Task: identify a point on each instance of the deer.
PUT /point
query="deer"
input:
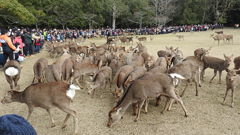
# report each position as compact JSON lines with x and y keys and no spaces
{"x":140,"y":91}
{"x":229,"y":38}
{"x":68,"y":64}
{"x":38,"y":68}
{"x":142,"y":39}
{"x":217,"y":64}
{"x":180,"y":37}
{"x":236,"y":62}
{"x":190,"y":71}
{"x":218,"y":38}
{"x":100,"y":79}
{"x":134,"y":75}
{"x":119,"y":79}
{"x":232,"y":81}
{"x":12,"y":71}
{"x":46,"y":96}
{"x":84,"y":68}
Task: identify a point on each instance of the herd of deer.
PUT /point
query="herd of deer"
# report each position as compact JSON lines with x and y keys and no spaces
{"x":136,"y":75}
{"x":220,"y":36}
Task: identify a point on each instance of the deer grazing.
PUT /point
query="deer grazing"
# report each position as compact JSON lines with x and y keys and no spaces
{"x":12,"y":71}
{"x":46,"y":96}
{"x":140,"y":91}
{"x":100,"y":79}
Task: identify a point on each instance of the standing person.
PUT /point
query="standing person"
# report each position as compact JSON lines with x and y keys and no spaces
{"x":18,"y":41}
{"x":28,"y":43}
{"x":7,"y":46}
{"x":37,"y":43}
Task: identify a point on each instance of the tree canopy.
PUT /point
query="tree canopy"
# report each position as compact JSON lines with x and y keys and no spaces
{"x":116,"y":13}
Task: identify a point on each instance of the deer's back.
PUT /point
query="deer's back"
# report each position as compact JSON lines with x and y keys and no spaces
{"x":46,"y":94}
{"x":213,"y":62}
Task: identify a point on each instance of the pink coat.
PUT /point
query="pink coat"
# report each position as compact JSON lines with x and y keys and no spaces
{"x":18,"y":40}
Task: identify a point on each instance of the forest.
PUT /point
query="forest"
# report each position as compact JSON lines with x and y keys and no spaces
{"x":116,"y":13}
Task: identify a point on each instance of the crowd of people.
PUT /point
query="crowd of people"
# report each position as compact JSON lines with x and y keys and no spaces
{"x":20,"y":43}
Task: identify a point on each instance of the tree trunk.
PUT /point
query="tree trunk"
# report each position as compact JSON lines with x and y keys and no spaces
{"x":114,"y":17}
{"x":36,"y":25}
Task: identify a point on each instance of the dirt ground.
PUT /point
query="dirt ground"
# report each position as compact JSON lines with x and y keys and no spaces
{"x":207,"y":116}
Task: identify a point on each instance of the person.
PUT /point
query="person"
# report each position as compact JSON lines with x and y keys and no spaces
{"x":12,"y":124}
{"x":28,"y":50}
{"x":17,"y":41}
{"x":37,"y":43}
{"x":7,"y":46}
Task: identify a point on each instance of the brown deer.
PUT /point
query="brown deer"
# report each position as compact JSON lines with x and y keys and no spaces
{"x":217,"y":64}
{"x":236,"y":62}
{"x":140,"y":91}
{"x":38,"y":68}
{"x":232,"y":81}
{"x":188,"y":70}
{"x":100,"y":80}
{"x":119,"y":79}
{"x":46,"y":96}
{"x":12,"y":71}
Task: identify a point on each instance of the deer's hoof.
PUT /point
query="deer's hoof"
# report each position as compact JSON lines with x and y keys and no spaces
{"x":135,"y":120}
{"x":64,"y":126}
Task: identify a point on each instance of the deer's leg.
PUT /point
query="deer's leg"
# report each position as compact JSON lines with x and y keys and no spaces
{"x":232,"y":103}
{"x":226,"y":93}
{"x":158,"y":100}
{"x":50,"y":115}
{"x":140,"y":103}
{"x":146,"y":106}
{"x":184,"y":89}
{"x":69,"y":112}
{"x":215,"y":73}
{"x":135,"y":108}
{"x":30,"y":110}
{"x":170,"y":104}
{"x":15,"y":82}
{"x":196,"y":81}
{"x":220,"y":74}
{"x":65,"y":120}
{"x":178,"y":99}
{"x":165,"y":106}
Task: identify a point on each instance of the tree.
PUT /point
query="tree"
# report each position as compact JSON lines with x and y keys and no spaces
{"x":12,"y":12}
{"x":164,"y":10}
{"x":115,"y":8}
{"x":139,"y":12}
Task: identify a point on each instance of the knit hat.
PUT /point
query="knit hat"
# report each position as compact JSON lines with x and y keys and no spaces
{"x":12,"y":124}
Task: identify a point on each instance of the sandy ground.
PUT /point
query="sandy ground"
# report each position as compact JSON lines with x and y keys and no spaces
{"x":206,"y":114}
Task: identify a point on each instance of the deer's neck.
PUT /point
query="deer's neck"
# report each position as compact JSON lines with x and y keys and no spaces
{"x":125,"y":103}
{"x":19,"y":97}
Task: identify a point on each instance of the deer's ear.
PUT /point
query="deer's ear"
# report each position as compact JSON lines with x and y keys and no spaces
{"x":224,"y":56}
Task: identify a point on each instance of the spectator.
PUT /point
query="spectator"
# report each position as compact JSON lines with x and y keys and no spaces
{"x":12,"y":124}
{"x":7,"y":46}
{"x":28,"y":50}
